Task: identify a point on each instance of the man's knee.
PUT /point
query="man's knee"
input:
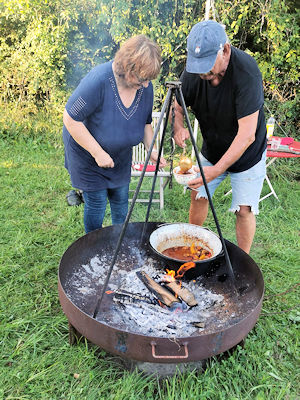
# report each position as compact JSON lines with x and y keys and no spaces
{"x":198,"y":201}
{"x":243,"y":212}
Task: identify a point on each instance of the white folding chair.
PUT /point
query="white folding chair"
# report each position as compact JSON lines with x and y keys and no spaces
{"x":272,"y":191}
{"x":139,"y":155}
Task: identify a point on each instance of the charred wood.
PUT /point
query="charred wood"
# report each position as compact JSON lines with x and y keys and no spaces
{"x":124,"y":297}
{"x":182,"y":292}
{"x":164,"y":295}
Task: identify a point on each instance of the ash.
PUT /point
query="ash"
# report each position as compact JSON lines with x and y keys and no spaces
{"x":155,"y":320}
{"x":83,"y":285}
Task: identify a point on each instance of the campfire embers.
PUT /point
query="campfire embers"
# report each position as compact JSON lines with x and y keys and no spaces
{"x":182,"y":292}
{"x":160,"y":292}
{"x":124,"y":297}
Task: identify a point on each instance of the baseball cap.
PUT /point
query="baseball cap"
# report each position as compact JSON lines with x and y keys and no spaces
{"x":205,"y":39}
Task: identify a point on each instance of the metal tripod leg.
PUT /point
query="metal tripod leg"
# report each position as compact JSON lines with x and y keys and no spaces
{"x":228,"y":262}
{"x":165,"y":105}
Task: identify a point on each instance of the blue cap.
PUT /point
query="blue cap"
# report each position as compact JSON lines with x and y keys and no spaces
{"x":203,"y":43}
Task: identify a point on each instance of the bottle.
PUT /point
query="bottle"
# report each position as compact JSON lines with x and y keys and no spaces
{"x":270,"y":127}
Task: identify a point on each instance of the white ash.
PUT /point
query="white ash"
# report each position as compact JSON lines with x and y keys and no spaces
{"x":154,"y":320}
{"x":85,"y":283}
{"x":86,"y":279}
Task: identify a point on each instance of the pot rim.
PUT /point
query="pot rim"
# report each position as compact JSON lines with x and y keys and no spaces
{"x":198,"y":227}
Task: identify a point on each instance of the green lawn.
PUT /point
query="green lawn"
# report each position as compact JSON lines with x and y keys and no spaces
{"x":38,"y":226}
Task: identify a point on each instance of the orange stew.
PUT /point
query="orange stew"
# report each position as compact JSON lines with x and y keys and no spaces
{"x":187,"y":253}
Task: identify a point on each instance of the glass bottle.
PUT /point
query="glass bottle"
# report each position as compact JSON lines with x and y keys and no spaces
{"x":270,"y":127}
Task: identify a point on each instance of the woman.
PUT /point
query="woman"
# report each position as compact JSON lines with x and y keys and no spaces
{"x":109,"y":113}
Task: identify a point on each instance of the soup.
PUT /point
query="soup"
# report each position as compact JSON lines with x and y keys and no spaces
{"x":188,"y":253}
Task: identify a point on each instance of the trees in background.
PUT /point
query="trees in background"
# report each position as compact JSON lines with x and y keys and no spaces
{"x":47,"y":46}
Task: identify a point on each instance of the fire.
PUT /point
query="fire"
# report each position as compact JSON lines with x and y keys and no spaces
{"x":109,"y":292}
{"x":183,"y":268}
{"x":170,"y":276}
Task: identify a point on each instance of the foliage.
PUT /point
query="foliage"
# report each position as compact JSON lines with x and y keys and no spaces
{"x":269,"y":31}
{"x":47,"y":47}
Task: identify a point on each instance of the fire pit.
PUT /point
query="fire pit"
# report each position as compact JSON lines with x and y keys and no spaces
{"x":132,"y":324}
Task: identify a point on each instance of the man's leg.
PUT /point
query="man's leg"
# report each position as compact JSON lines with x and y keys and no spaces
{"x":246,"y":189}
{"x":245,"y":228}
{"x":198,"y":209}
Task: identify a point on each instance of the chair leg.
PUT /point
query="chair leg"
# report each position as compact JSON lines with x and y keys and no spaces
{"x":161,"y":193}
{"x":272,"y":190}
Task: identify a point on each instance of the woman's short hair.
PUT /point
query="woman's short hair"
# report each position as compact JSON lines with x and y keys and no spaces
{"x":138,"y":56}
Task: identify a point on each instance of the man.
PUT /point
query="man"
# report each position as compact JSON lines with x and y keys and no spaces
{"x":223,"y":87}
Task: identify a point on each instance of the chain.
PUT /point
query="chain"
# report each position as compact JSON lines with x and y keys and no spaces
{"x":172,"y":145}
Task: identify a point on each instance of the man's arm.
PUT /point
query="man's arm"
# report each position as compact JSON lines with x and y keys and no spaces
{"x":180,"y":132}
{"x":244,"y":138}
{"x":82,"y":136}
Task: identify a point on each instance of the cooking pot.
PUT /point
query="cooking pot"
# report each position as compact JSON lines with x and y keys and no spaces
{"x":183,"y":234}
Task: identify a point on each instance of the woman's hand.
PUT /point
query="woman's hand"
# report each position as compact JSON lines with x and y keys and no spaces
{"x":154,"y":156}
{"x":103,"y":159}
{"x":82,"y":136}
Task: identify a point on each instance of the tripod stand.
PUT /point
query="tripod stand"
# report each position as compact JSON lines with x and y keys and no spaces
{"x":173,"y":89}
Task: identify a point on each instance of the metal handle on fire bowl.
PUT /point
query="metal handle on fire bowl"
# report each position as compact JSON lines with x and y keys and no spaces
{"x":186,"y":352}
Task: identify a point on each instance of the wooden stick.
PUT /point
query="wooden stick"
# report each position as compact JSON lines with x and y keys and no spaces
{"x":185,"y":294}
{"x":161,"y":293}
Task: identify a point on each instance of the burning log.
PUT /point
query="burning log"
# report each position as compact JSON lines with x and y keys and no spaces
{"x":161,"y":293}
{"x":182,"y":292}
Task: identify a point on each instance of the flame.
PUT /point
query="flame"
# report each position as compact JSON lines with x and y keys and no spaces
{"x":170,"y":276}
{"x":183,"y":268}
{"x":109,"y":291}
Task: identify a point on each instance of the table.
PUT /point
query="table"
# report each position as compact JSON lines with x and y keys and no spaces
{"x":291,"y":145}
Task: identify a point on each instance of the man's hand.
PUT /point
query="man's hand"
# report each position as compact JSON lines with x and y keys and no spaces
{"x":103,"y":159}
{"x":210,"y":174}
{"x":180,"y":136}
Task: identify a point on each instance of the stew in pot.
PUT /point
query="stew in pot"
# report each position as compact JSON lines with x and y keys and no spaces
{"x":187,"y":253}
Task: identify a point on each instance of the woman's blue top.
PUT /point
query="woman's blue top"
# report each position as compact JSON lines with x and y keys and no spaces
{"x":96,"y":103}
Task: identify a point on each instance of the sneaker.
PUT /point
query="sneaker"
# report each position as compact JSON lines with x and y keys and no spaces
{"x":74,"y":198}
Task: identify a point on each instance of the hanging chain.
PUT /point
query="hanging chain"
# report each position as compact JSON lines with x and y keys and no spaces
{"x":172,"y":143}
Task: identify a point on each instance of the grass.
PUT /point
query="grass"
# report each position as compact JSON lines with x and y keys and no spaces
{"x":37,"y":227}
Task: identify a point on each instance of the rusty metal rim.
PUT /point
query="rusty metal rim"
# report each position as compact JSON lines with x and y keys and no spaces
{"x":136,"y":346}
{"x":139,"y":341}
{"x":61,"y":289}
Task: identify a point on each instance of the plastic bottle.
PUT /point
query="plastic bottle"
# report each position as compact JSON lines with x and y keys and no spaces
{"x":270,"y":127}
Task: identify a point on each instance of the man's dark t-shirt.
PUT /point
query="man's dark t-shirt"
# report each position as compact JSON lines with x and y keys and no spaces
{"x":240,"y":93}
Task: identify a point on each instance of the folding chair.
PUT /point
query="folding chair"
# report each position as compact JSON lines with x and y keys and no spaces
{"x":272,"y":191}
{"x":139,"y":155}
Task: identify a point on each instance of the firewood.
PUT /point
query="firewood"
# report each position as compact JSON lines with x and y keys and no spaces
{"x":124,"y":297}
{"x":182,"y":292}
{"x":161,"y":293}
